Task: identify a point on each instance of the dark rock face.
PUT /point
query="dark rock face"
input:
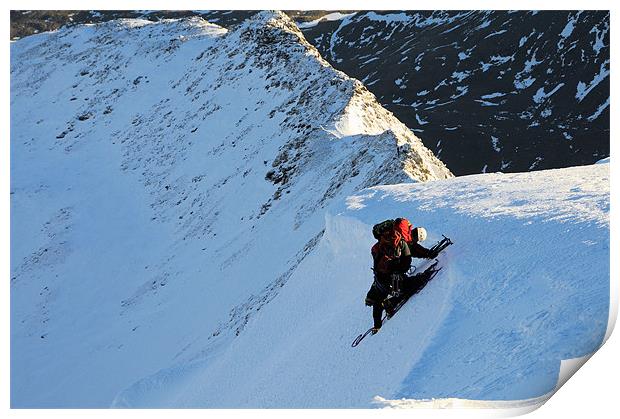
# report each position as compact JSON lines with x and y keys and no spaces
{"x":485,"y":90}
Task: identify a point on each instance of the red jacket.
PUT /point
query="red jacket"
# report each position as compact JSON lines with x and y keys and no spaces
{"x":391,"y":256}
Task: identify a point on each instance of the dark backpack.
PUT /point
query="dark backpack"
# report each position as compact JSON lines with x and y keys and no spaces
{"x":382,"y":227}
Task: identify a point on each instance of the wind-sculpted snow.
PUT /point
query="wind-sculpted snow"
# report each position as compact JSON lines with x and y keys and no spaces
{"x":525,"y":286}
{"x":532,"y":262}
{"x":166,"y":181}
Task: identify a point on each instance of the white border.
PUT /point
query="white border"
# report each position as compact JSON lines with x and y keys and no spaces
{"x":592,"y":393}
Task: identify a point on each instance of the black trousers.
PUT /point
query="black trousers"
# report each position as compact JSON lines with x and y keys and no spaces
{"x":381,"y":291}
{"x":375,"y":298}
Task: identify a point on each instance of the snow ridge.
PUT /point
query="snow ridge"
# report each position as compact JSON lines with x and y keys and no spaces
{"x":168,"y":179}
{"x":490,"y":331}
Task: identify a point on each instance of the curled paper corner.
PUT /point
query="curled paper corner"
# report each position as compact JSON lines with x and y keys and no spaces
{"x":614,"y":296}
{"x":568,"y":367}
{"x":486,"y":408}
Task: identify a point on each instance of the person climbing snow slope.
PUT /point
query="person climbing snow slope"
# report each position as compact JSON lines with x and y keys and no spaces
{"x":397,"y":243}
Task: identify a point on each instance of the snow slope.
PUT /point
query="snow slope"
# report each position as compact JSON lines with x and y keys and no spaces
{"x":525,"y":286}
{"x":166,"y":181}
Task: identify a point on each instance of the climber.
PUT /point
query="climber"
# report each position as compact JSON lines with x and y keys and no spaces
{"x":397,"y":243}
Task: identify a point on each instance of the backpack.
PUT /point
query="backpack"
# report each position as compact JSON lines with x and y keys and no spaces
{"x":382,"y":227}
{"x":402,"y":225}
